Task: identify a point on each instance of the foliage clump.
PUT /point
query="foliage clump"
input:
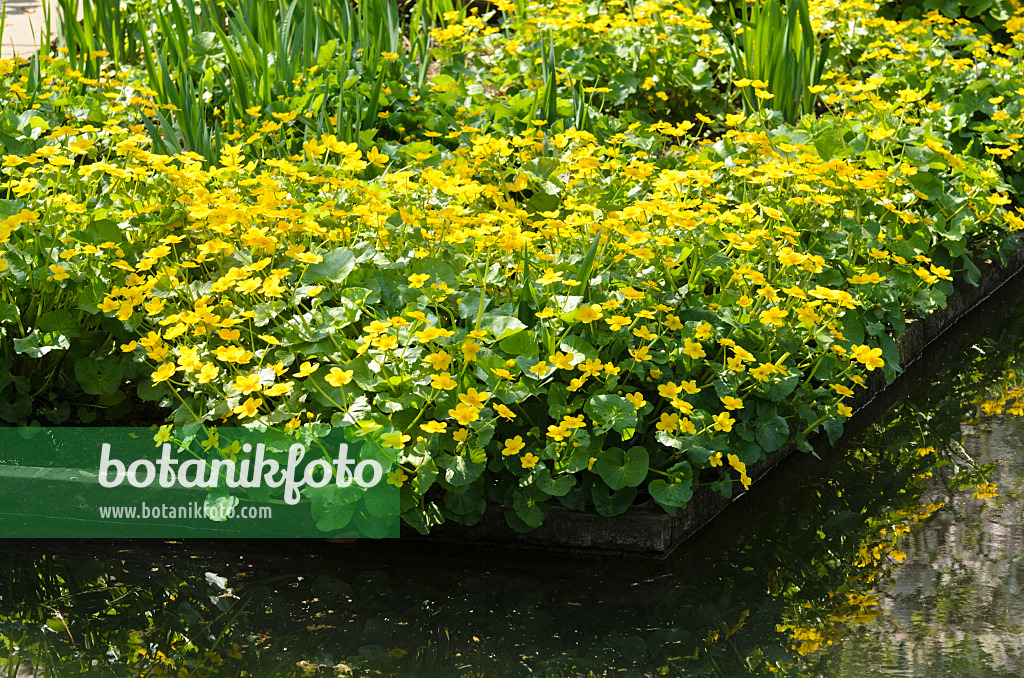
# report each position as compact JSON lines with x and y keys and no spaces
{"x":525,"y":288}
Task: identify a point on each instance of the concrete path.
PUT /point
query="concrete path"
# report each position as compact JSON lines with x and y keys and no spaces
{"x":22,"y":27}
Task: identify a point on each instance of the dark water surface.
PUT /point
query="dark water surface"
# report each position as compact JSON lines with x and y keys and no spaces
{"x":884,"y":557}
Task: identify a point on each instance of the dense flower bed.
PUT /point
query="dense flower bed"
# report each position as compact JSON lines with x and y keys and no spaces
{"x":591,"y":305}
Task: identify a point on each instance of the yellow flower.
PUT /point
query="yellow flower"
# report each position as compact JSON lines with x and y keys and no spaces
{"x":464,"y":414}
{"x":58,"y":272}
{"x":637,"y":399}
{"x":735,"y":462}
{"x":588,"y":314}
{"x":643,"y":332}
{"x":281,"y":389}
{"x":207,"y":373}
{"x":164,"y":372}
{"x":248,"y":408}
{"x":513,"y":446}
{"x":442,"y":382}
{"x":693,"y":349}
{"x":376,"y":157}
{"x":163,"y":434}
{"x":504,"y":412}
{"x":631,"y":293}
{"x":469,"y":349}
{"x":540,"y":368}
{"x":439,"y":361}
{"x":669,"y":390}
{"x":530,"y":460}
{"x":550,"y":277}
{"x":397,"y":477}
{"x":246,"y":384}
{"x":417,"y":279}
{"x":723,"y":422}
{"x":640,"y":354}
{"x":395,"y":439}
{"x":590,"y":367}
{"x":668,"y":422}
{"x":732,"y":403}
{"x":617,"y":322}
{"x":473,"y":398}
{"x":869,"y":357}
{"x":434,"y":427}
{"x":460,"y":435}
{"x":307,"y":368}
{"x":561,"y":361}
{"x":773,"y":316}
{"x":338,"y":377}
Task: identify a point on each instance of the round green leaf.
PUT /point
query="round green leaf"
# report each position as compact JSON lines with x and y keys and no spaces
{"x":556,"y":487}
{"x":609,"y":503}
{"x":59,"y":322}
{"x":772,"y":433}
{"x":671,"y":495}
{"x":98,"y":377}
{"x":621,"y":469}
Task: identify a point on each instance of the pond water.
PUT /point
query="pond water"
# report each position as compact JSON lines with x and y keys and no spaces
{"x":889,"y":555}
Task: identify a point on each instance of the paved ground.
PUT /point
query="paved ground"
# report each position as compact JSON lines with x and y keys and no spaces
{"x":22,"y":27}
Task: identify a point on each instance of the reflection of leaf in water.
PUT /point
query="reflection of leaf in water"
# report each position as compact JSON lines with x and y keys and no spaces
{"x":218,"y":581}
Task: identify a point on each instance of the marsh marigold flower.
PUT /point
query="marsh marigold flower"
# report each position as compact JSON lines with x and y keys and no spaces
{"x":513,"y":446}
{"x":588,"y":314}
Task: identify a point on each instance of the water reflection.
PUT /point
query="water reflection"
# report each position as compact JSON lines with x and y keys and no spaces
{"x":883,"y":555}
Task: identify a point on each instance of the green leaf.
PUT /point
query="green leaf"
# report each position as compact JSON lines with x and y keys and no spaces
{"x":332,"y":507}
{"x":834,"y":429}
{"x":612,"y":411}
{"x":587,"y":265}
{"x":99,"y":377}
{"x":332,"y":518}
{"x":36,"y":345}
{"x":558,"y":486}
{"x":529,"y":507}
{"x":891,"y":354}
{"x":621,"y":469}
{"x":466,"y":503}
{"x":90,"y":297}
{"x":772,"y":433}
{"x":218,"y":506}
{"x":460,"y":470}
{"x":778,"y":390}
{"x":59,"y":322}
{"x":521,"y":344}
{"x":671,"y":494}
{"x":335,"y":267}
{"x":609,"y":503}
{"x":8,"y":313}
{"x":579,"y":346}
{"x":502,"y":326}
